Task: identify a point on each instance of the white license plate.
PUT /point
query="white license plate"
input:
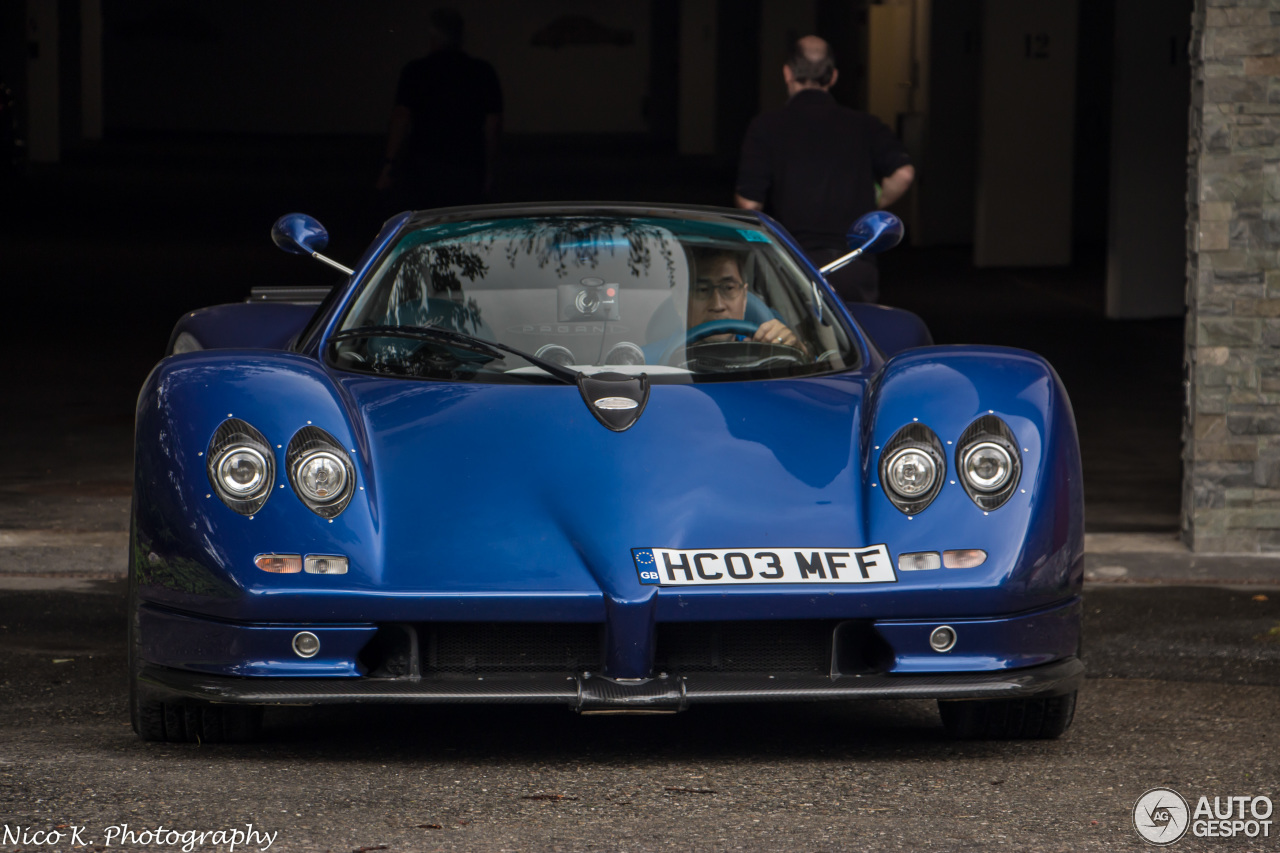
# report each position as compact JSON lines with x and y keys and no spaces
{"x":671,"y":567}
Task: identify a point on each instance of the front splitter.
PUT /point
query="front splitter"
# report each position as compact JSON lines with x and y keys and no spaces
{"x":588,"y":692}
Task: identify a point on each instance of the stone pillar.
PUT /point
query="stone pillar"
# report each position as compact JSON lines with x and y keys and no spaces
{"x":1231,"y":480}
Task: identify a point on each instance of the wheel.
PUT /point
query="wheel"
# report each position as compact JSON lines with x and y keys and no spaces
{"x":181,"y":720}
{"x":1008,"y":719}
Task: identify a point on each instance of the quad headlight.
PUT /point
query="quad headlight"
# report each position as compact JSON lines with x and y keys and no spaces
{"x":320,"y":471}
{"x":242,"y":471}
{"x":321,"y":477}
{"x":241,"y":466}
{"x":911,"y":473}
{"x":990,"y":467}
{"x":912,"y":467}
{"x":987,"y":466}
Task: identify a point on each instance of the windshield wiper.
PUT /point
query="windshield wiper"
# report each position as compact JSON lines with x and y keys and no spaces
{"x":461,"y":339}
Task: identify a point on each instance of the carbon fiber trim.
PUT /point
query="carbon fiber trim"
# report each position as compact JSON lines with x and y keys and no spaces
{"x":297,"y":295}
{"x":596,"y":693}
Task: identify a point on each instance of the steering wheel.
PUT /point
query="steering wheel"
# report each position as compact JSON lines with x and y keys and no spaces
{"x":706,"y":330}
{"x":737,"y":327}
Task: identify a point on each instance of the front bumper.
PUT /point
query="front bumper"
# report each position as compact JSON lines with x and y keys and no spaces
{"x":839,"y":648}
{"x":590,"y":693}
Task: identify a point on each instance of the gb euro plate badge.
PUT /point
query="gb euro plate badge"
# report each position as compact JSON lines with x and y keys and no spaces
{"x":671,"y":567}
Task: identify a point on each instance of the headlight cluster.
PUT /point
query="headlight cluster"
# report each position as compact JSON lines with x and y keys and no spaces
{"x":913,"y":465}
{"x":242,"y":469}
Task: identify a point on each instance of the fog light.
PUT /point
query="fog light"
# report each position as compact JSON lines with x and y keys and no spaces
{"x":965,"y":559}
{"x":319,"y":564}
{"x":943,"y":638}
{"x":306,"y":644}
{"x":919,"y":562}
{"x":281,"y":564}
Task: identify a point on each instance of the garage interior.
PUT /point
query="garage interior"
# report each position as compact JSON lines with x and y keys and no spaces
{"x":162,"y":139}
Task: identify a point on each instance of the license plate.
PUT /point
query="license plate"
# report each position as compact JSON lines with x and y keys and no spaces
{"x":672,"y":567}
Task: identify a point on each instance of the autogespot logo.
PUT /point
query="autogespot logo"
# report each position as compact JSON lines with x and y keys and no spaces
{"x":1160,"y":816}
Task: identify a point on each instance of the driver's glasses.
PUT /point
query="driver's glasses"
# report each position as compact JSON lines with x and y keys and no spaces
{"x":729,"y":289}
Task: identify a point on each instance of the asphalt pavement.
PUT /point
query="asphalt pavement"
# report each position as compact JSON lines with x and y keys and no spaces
{"x":1183,"y":692}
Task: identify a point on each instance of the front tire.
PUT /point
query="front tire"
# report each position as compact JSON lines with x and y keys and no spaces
{"x":1008,"y":719}
{"x":181,"y":720}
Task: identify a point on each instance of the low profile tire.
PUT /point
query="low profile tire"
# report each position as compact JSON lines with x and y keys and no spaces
{"x":1008,"y":719}
{"x":182,"y":721}
{"x":186,"y":721}
{"x":147,"y":715}
{"x":200,"y":722}
{"x":146,"y":712}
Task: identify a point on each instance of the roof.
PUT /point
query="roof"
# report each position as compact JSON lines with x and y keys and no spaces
{"x":607,"y":208}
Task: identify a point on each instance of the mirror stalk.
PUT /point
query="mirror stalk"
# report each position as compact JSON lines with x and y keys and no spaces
{"x":840,"y":262}
{"x":332,"y":263}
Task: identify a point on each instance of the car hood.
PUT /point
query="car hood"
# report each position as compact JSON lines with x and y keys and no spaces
{"x":492,"y":488}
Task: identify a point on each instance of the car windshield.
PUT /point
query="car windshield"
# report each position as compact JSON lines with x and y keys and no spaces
{"x":681,"y":299}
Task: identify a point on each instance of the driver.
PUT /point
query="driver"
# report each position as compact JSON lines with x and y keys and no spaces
{"x":718,"y":292}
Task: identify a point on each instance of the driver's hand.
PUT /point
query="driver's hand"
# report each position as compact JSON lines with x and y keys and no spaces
{"x":774,"y":332}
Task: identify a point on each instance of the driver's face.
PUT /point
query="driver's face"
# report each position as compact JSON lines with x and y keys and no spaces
{"x":718,"y":293}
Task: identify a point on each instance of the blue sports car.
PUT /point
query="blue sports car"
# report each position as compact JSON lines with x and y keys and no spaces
{"x":618,"y":457}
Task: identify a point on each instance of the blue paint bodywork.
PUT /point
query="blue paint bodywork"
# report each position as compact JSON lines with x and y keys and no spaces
{"x":299,"y":234}
{"x":265,"y":325}
{"x":510,"y":503}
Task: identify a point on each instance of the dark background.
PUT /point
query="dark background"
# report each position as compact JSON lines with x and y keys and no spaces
{"x":218,"y":118}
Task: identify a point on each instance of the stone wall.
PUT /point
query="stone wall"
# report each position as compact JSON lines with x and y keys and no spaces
{"x":1231,"y":484}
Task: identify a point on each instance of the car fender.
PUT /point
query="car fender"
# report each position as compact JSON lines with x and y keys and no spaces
{"x":892,"y":329}
{"x":188,"y":546}
{"x":265,"y":325}
{"x":1035,"y":541}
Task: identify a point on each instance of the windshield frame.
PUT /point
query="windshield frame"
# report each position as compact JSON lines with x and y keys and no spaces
{"x":409,"y":222}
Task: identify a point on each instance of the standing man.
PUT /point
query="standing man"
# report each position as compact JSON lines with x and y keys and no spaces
{"x":442,"y":148}
{"x":816,"y":165}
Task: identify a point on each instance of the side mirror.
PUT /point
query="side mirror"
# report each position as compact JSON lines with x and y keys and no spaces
{"x":299,"y":234}
{"x":878,"y":231}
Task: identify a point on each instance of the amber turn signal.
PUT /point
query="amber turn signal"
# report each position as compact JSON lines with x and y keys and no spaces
{"x":965,"y":559}
{"x":281,"y":564}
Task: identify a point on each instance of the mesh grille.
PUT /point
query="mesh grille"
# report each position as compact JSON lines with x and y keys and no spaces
{"x":764,"y":647}
{"x":510,"y":647}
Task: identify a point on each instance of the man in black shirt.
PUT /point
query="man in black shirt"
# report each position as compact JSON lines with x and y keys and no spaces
{"x":443,"y":144}
{"x":815,"y":164}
